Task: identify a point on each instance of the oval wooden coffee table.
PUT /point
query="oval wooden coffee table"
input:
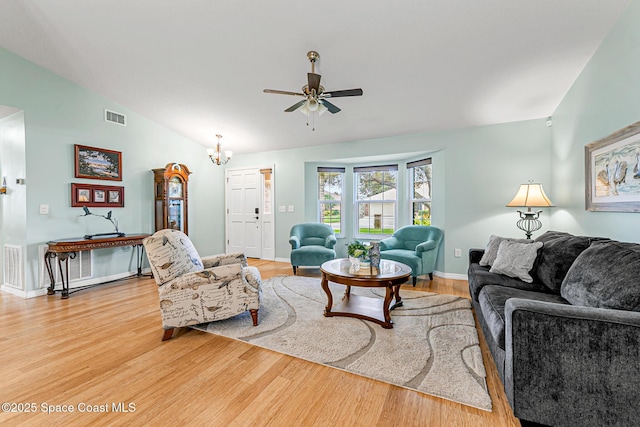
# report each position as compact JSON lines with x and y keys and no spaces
{"x":389,"y":275}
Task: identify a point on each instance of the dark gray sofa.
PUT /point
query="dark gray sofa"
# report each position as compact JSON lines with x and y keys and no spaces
{"x":567,"y":345}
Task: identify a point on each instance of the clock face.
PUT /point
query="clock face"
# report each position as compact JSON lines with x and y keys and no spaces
{"x":175,"y":187}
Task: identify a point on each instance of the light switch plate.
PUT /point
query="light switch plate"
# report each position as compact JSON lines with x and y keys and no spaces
{"x":282,"y":208}
{"x":44,"y":209}
{"x":290,"y":208}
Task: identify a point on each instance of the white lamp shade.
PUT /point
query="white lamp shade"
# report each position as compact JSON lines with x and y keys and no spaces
{"x":530,"y":195}
{"x":211,"y":152}
{"x":228,"y":154}
{"x":312,"y":104}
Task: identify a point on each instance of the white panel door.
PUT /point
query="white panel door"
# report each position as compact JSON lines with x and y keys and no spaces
{"x":243,"y":192}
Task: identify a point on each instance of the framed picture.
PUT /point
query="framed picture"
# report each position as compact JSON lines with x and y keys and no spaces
{"x":97,"y":196}
{"x":97,"y":163}
{"x":114,"y":196}
{"x":612,"y":172}
{"x":84,"y":195}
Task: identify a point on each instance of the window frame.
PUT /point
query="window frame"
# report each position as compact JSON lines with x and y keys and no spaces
{"x":320,"y":203}
{"x":356,"y":202}
{"x":410,"y":168}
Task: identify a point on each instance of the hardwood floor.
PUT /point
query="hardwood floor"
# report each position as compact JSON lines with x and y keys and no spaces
{"x":102,"y":348}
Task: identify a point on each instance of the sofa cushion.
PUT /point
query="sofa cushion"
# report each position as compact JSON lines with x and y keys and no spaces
{"x":479,"y":277}
{"x":492,"y":300}
{"x":605,"y":275}
{"x":516,"y":259}
{"x":311,"y":256}
{"x":491,"y":251}
{"x":558,"y":253}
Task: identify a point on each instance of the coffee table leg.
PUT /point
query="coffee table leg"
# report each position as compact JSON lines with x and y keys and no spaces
{"x":325,"y":288}
{"x":398,"y":298}
{"x":347,"y":292}
{"x":385,"y":308}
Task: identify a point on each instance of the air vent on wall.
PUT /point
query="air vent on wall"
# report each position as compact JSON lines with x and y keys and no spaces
{"x":13,"y":266}
{"x":113,"y":117}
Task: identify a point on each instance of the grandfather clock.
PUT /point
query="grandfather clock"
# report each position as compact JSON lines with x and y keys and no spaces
{"x":171,"y":202}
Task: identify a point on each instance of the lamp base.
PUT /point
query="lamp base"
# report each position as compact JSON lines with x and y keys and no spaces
{"x":529,"y":222}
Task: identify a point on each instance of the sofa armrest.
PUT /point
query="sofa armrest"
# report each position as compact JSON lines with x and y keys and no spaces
{"x":475,"y":255}
{"x":571,"y":365}
{"x":389,"y":243}
{"x":426,"y":246}
{"x":295,"y":242}
{"x":224,"y":259}
{"x":330,"y":241}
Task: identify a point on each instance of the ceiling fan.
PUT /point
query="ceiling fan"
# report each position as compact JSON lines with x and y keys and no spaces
{"x":315,"y":97}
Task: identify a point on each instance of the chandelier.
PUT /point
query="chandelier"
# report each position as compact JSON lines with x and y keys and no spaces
{"x":216,"y":156}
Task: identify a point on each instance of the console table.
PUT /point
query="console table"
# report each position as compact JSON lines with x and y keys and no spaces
{"x":65,"y":249}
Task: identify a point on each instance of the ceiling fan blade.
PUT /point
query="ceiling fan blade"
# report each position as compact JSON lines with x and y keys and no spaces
{"x":314,"y":81}
{"x":332,"y":108}
{"x":295,"y":106}
{"x":283,"y":92}
{"x":341,"y":93}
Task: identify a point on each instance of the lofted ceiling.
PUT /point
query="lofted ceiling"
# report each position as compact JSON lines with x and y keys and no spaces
{"x":199,"y":66}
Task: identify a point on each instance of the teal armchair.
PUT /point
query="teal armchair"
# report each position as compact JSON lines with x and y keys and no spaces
{"x":413,"y":245}
{"x":311,"y":244}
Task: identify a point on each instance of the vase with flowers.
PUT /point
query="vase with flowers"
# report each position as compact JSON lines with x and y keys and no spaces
{"x":358,"y":253}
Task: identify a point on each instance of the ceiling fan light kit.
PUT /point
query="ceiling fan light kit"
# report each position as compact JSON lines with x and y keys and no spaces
{"x":315,"y":98}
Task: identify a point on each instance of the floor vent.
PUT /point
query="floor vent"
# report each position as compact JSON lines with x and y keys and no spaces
{"x":113,"y":117}
{"x":13,"y":276}
{"x":79,"y":268}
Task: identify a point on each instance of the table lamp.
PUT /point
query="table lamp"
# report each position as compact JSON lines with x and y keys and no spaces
{"x":530,"y":195}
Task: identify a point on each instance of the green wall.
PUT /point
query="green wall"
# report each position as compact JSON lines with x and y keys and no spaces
{"x":604,"y":99}
{"x":59,"y":114}
{"x":476,"y":173}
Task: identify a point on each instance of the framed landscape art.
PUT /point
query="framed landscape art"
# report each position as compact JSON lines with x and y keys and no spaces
{"x":612,"y":172}
{"x":97,"y":163}
{"x":97,"y":196}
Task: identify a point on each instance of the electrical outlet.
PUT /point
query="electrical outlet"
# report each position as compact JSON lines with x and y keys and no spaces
{"x":457,"y":253}
{"x":44,"y":209}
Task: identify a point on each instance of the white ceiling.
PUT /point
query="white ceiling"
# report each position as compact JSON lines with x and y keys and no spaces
{"x":199,"y":66}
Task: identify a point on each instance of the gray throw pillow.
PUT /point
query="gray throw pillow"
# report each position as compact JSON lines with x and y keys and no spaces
{"x":516,"y":259}
{"x":605,"y":275}
{"x":560,"y":250}
{"x":491,"y":251}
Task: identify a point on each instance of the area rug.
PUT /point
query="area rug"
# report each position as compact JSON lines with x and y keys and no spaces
{"x":433,"y":347}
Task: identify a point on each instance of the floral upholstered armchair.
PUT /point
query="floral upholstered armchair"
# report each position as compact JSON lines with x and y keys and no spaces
{"x":197,"y":290}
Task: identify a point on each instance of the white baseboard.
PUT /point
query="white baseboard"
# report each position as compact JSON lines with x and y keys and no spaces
{"x":78,"y":284}
{"x":453,"y":276}
{"x":97,"y":280}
